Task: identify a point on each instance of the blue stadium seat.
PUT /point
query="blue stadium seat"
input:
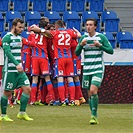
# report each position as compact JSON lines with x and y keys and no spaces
{"x":3,"y":33}
{"x":125,"y":40}
{"x":52,"y":15}
{"x":91,"y":14}
{"x":72,"y":19}
{"x":25,"y":34}
{"x":32,"y":17}
{"x":40,"y":5}
{"x":4,"y":5}
{"x":21,"y":5}
{"x":111,"y":38}
{"x":77,"y":5}
{"x":96,"y":5}
{"x":58,"y":5}
{"x":1,"y":23}
{"x":10,"y":15}
{"x":110,"y":20}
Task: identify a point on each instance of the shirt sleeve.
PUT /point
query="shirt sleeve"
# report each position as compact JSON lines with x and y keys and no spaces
{"x":7,"y":50}
{"x":106,"y":46}
{"x":79,"y":47}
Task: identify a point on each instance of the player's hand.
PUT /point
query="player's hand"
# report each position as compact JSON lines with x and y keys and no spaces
{"x":19,"y":68}
{"x":96,"y":44}
{"x":83,"y":42}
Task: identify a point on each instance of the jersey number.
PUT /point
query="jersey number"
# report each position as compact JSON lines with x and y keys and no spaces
{"x":41,"y":39}
{"x":63,"y":37}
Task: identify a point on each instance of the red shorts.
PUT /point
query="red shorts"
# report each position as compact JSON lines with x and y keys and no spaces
{"x":26,"y":62}
{"x":77,"y":67}
{"x":64,"y":67}
{"x":40,"y":66}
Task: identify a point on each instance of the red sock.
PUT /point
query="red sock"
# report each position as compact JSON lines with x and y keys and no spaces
{"x":77,"y":90}
{"x":50,"y":91}
{"x":72,"y":91}
{"x":33,"y":92}
{"x":61,"y":90}
{"x":56,"y":93}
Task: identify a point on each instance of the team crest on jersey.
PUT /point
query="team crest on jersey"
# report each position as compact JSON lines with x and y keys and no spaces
{"x":72,"y":74}
{"x":60,"y":72}
{"x":79,"y":71}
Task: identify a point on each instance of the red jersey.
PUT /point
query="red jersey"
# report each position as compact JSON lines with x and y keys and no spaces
{"x":39,"y":49}
{"x":74,"y":44}
{"x":50,"y":48}
{"x":62,"y":42}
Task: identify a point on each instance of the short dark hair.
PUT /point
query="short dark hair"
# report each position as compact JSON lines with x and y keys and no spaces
{"x":43,"y":22}
{"x":60,"y":23}
{"x":94,"y":20}
{"x":16,"y":20}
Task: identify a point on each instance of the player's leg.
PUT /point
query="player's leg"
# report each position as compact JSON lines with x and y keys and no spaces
{"x":9,"y":83}
{"x":4,"y":103}
{"x":25,"y":85}
{"x":95,"y":84}
{"x":70,"y":74}
{"x":35,"y":73}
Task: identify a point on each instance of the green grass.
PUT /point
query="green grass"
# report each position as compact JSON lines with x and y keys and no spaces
{"x":116,"y":118}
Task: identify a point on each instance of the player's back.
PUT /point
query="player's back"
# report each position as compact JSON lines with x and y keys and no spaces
{"x":62,"y":43}
{"x":40,"y":49}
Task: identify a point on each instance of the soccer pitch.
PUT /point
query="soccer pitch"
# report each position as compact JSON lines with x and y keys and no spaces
{"x":113,"y":118}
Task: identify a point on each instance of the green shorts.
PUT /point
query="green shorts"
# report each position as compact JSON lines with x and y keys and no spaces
{"x":94,"y":79}
{"x":14,"y":80}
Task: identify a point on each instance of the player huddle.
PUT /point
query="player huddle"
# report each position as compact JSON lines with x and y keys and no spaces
{"x":51,"y":56}
{"x":53,"y":65}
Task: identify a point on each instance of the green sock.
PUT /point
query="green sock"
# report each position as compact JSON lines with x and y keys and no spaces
{"x":4,"y":101}
{"x":89,"y":102}
{"x":23,"y":102}
{"x":94,"y":104}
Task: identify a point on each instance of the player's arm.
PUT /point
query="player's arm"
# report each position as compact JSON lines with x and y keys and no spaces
{"x":44,"y":32}
{"x":7,"y":50}
{"x":77,"y":32}
{"x":106,"y":46}
{"x":82,"y":42}
{"x":30,"y":41}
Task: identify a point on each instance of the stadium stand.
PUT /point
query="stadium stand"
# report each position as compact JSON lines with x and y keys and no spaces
{"x":21,"y":5}
{"x":3,"y":33}
{"x":32,"y":17}
{"x":58,"y":5}
{"x":39,"y":5}
{"x":111,"y":38}
{"x":96,"y":5}
{"x":25,"y":34}
{"x":125,"y":40}
{"x":91,"y":14}
{"x":72,"y":19}
{"x":52,"y":15}
{"x":77,"y":5}
{"x":73,"y":12}
{"x":110,"y":20}
{"x":10,"y":15}
{"x":1,"y":23}
{"x":4,"y":5}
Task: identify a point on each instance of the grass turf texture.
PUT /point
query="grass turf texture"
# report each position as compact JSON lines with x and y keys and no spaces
{"x":116,"y":118}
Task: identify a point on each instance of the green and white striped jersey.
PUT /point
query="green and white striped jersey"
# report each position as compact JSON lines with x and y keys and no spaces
{"x":12,"y":51}
{"x":93,"y":56}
